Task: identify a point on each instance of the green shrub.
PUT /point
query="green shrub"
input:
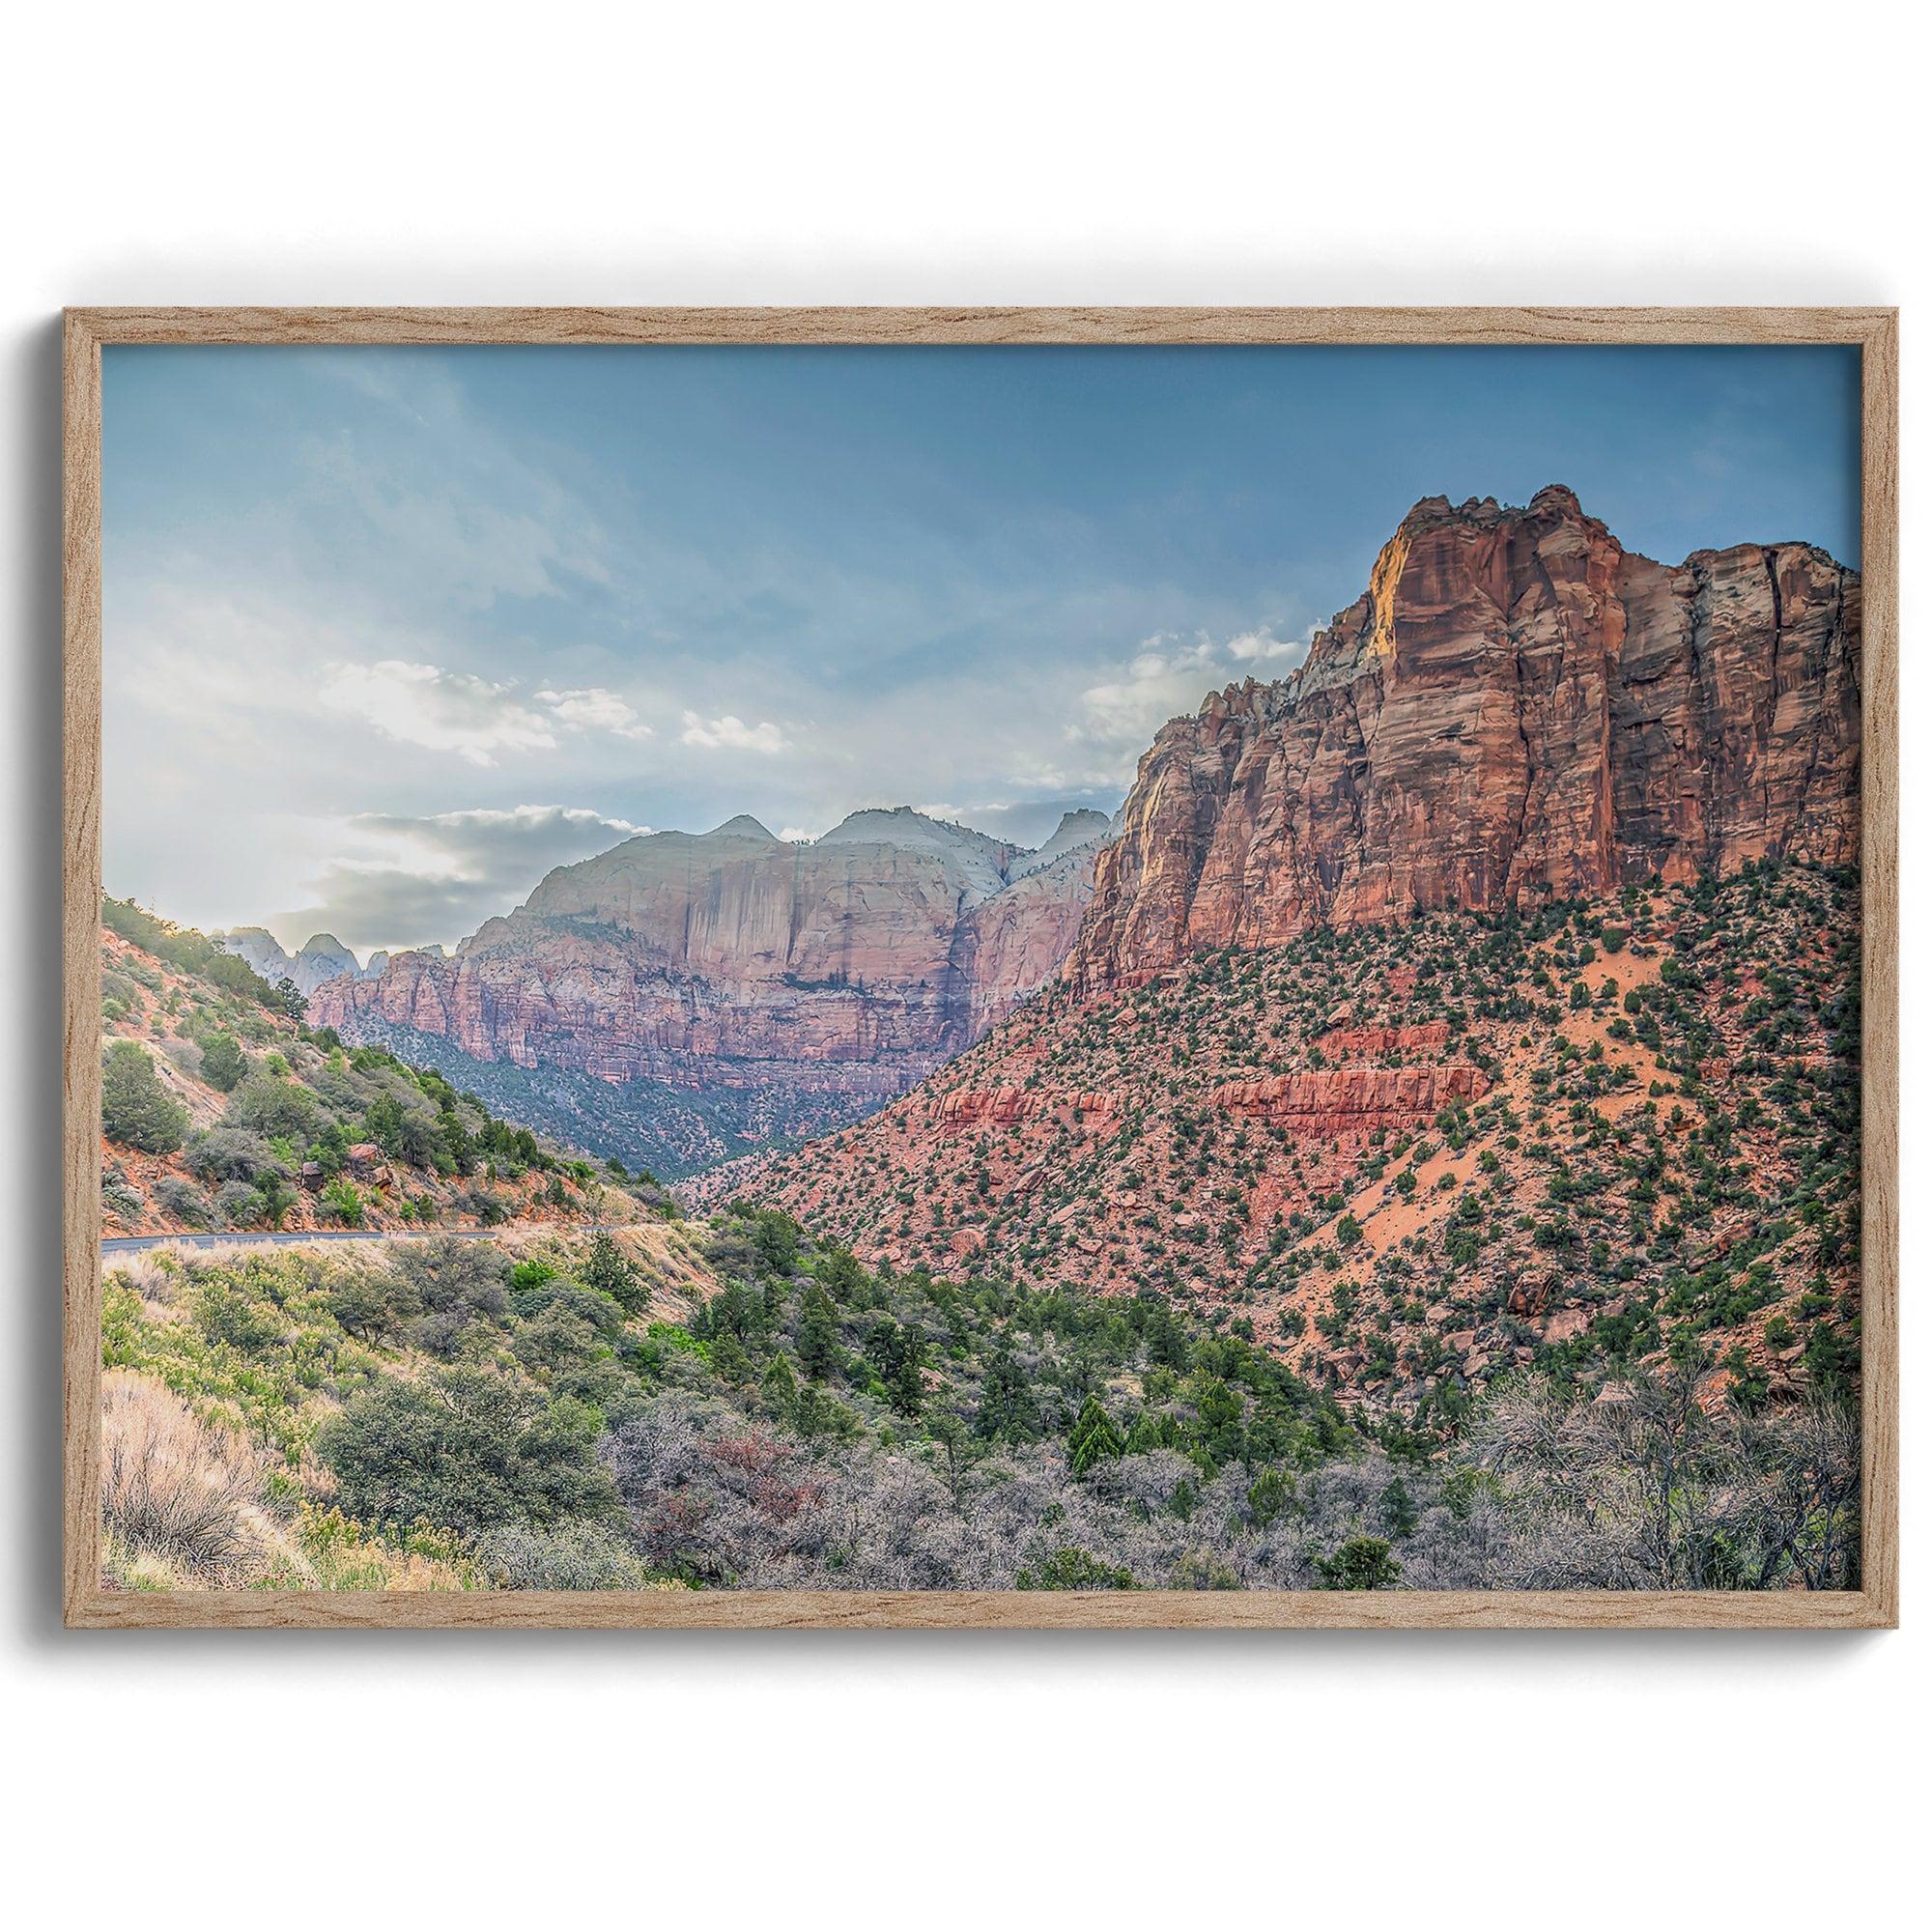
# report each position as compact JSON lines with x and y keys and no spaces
{"x":342,"y":1199}
{"x":465,"y":1449}
{"x":135,"y":1109}
{"x":1073,"y":1570}
{"x":1362,"y":1563}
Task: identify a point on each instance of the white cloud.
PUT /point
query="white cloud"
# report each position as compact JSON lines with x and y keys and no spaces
{"x":1160,"y":681}
{"x":729,"y":733}
{"x":475,"y":843}
{"x":401,"y":880}
{"x":1262,"y":646}
{"x":1166,"y":677}
{"x":440,"y":710}
{"x":797,"y":835}
{"x":594,"y":709}
{"x":451,"y":711}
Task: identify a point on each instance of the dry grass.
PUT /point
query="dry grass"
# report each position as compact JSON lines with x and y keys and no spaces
{"x":176,"y":1494}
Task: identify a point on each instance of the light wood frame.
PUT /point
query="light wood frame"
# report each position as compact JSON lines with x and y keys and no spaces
{"x":1874,"y":332}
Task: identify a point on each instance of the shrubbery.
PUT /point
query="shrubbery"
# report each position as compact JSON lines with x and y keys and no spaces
{"x":135,"y":1108}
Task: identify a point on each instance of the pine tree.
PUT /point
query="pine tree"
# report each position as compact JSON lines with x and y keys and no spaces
{"x":907,"y":1384}
{"x":223,"y":1063}
{"x":1399,"y":1512}
{"x":1268,"y":1496}
{"x":612,"y":1272}
{"x":729,"y":1362}
{"x":1095,"y":1438}
{"x":456,"y":1141}
{"x":819,"y":1351}
{"x":1008,"y":1411}
{"x":779,"y":1389}
{"x":135,"y":1108}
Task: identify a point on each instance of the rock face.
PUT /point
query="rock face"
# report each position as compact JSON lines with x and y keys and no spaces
{"x":1351,"y":1099}
{"x":1518,"y":708}
{"x":853,"y":964}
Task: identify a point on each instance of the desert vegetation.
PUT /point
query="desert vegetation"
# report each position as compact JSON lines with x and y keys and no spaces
{"x":1418,"y":1158}
{"x":731,"y":1404}
{"x":221,"y":1109}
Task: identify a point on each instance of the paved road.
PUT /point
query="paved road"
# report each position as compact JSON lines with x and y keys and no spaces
{"x":130,"y":1245}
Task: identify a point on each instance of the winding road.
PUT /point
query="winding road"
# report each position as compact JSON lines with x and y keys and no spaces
{"x":132,"y":1244}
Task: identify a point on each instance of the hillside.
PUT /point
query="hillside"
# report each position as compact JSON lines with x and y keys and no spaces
{"x":736,"y":988}
{"x":222,"y":1110}
{"x":731,"y":1407}
{"x":1411,"y":1158}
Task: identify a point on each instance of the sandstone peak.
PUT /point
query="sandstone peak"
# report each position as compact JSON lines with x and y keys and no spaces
{"x":1516,"y":709}
{"x":979,"y":860}
{"x":810,"y":980}
{"x":1077,"y":832}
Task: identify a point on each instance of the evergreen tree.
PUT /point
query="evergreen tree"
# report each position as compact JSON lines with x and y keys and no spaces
{"x":840,"y":1275}
{"x":278,"y":1198}
{"x":135,"y":1108}
{"x":384,"y":1122}
{"x":1095,"y":1438}
{"x":906,"y":1387}
{"x":457,"y":1141}
{"x":1268,"y":1496}
{"x":223,"y":1063}
{"x":1362,"y":1563}
{"x":819,"y":1351}
{"x":1008,"y":1411}
{"x":1400,"y":1515}
{"x":779,"y":1387}
{"x":729,"y":1362}
{"x":612,"y":1272}
{"x":775,"y":1237}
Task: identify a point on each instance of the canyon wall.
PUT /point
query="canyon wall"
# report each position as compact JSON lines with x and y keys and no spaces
{"x":853,"y":964}
{"x":1516,"y":709}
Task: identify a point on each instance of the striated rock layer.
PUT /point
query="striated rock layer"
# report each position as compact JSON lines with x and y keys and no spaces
{"x":1518,"y":708}
{"x":852,"y":965}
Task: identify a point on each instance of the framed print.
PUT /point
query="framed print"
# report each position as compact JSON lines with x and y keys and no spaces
{"x":997,"y":967}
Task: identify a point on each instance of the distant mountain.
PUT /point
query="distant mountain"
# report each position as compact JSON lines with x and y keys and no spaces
{"x":798,"y":984}
{"x":322,"y":956}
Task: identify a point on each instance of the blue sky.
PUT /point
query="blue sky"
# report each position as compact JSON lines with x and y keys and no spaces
{"x":389,"y":633}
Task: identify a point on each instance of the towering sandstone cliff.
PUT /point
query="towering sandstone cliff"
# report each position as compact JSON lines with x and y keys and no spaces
{"x":1516,"y":709}
{"x":850,"y":966}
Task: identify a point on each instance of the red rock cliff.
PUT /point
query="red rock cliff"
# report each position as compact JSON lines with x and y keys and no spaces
{"x":855,"y":964}
{"x":1517,"y":707}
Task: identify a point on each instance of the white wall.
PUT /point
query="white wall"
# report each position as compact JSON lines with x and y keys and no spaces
{"x":994,"y":153}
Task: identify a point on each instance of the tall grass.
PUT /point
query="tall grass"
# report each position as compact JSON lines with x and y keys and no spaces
{"x":174,"y":1490}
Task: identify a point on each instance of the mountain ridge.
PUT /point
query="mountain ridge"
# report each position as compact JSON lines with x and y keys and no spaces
{"x":826,"y":976}
{"x":1516,"y":707}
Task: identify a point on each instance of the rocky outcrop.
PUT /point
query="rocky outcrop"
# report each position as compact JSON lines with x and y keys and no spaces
{"x":1518,"y":708}
{"x":965,"y":1109}
{"x":852,"y":964}
{"x":1351,"y":1099}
